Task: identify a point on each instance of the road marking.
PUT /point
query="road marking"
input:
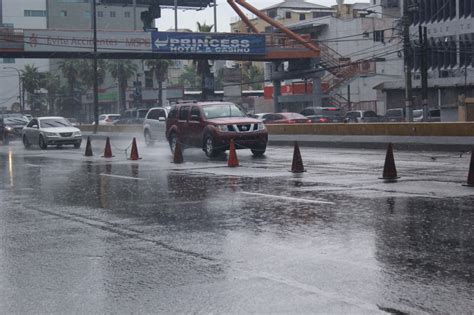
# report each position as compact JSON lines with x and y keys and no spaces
{"x":288,"y":198}
{"x":123,"y":177}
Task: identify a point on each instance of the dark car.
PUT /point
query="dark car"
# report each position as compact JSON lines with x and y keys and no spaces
{"x":211,"y":126}
{"x":285,"y":118}
{"x":395,"y":115}
{"x":11,"y":127}
{"x":324,"y":114}
{"x":362,"y":116}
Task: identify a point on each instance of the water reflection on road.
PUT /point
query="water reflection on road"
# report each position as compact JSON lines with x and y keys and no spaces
{"x":213,"y":242}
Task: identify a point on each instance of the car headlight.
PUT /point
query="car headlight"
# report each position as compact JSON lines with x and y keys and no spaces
{"x":8,"y":128}
{"x":50,"y":134}
{"x":77,"y":134}
{"x":261,"y":126}
{"x":222,"y":128}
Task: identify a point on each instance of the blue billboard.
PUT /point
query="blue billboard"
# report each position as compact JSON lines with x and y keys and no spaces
{"x":208,"y":43}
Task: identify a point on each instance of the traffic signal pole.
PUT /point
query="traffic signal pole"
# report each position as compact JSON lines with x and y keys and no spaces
{"x":424,"y":70}
{"x":408,"y":62}
{"x":96,"y":83}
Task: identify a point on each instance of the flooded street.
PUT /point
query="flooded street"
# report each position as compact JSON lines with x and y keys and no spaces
{"x":95,"y":235}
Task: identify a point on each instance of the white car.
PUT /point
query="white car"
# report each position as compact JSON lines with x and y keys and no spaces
{"x":45,"y":131}
{"x":154,"y":125}
{"x":108,"y":119}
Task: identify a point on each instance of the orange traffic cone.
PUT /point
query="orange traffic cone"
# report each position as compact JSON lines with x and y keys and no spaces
{"x":178,"y":153}
{"x":233,"y":161}
{"x":88,"y":148}
{"x":134,"y":153}
{"x":297,"y":165}
{"x":470,"y":176}
{"x":108,"y":149}
{"x":389,"y":169}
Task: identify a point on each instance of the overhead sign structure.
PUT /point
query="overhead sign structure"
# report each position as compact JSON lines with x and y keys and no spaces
{"x":208,"y":43}
{"x":80,"y":41}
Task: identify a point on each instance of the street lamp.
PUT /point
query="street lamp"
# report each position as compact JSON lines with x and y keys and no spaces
{"x":19,"y":86}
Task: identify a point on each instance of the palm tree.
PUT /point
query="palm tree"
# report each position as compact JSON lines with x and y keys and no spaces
{"x":70,"y":71}
{"x":160,"y":69}
{"x":31,"y":78}
{"x":253,"y":77}
{"x":122,"y":71}
{"x":52,"y":84}
{"x":86,"y":72}
{"x":188,"y":77}
{"x":203,"y":67}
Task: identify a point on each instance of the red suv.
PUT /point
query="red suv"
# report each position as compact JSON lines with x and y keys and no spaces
{"x":211,"y":126}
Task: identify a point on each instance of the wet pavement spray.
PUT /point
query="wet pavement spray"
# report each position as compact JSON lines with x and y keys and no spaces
{"x":93,"y":235}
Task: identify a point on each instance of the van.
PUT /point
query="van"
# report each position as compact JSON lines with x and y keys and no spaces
{"x":132,"y":116}
{"x":395,"y":115}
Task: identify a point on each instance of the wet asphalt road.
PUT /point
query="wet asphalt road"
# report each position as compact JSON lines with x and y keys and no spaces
{"x":94,"y":235}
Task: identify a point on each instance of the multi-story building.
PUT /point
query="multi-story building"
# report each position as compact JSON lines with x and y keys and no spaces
{"x":286,"y":12}
{"x":19,"y":14}
{"x":119,"y":15}
{"x":450,"y":52}
{"x":360,"y":33}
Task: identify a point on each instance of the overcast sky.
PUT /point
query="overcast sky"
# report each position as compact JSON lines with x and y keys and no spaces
{"x":225,"y":14}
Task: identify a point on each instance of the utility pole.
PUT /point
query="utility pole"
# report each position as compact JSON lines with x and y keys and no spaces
{"x":408,"y":62}
{"x":424,"y":70}
{"x":96,"y":83}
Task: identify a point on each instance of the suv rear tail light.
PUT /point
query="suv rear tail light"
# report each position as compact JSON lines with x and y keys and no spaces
{"x":323,"y":120}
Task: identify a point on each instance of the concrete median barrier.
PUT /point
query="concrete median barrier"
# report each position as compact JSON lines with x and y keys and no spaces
{"x":114,"y":128}
{"x":456,"y":129}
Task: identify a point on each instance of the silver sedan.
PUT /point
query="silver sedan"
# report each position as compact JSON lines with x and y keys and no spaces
{"x":46,"y":131}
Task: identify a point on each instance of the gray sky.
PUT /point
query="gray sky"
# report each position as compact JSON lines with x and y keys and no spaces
{"x":225,"y":14}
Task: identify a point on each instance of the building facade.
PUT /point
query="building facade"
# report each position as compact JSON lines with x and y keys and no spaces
{"x":450,"y":56}
{"x":19,"y":14}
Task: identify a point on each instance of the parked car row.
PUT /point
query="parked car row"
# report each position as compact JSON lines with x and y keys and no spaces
{"x":336,"y":115}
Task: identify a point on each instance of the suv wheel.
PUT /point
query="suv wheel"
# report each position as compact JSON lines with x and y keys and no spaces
{"x":148,"y":141}
{"x":209,"y":148}
{"x":173,"y":140}
{"x":258,"y":152}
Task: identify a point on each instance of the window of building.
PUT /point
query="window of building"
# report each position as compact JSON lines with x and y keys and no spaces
{"x":86,"y":14}
{"x":112,"y":14}
{"x":63,"y":13}
{"x":34,"y":13}
{"x":272,"y":13}
{"x":268,"y":29}
{"x":288,"y":14}
{"x":302,"y":16}
{"x":379,"y":36}
{"x":100,"y":14}
{"x":8,"y":60}
{"x":127,"y":14}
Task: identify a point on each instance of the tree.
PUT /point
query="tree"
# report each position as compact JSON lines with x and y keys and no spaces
{"x":52,"y":84}
{"x":253,"y":77}
{"x":31,"y":79}
{"x":203,"y":67}
{"x":188,"y":78}
{"x":122,"y":71}
{"x":70,"y":71}
{"x":86,"y":72}
{"x":160,"y":69}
